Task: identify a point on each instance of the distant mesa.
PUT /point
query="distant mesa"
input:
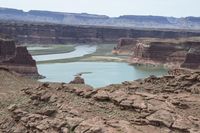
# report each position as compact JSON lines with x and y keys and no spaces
{"x":134,"y":21}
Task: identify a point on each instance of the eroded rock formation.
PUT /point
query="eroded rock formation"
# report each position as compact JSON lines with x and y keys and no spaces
{"x":45,"y":33}
{"x":155,"y":104}
{"x":192,"y":59}
{"x":16,"y":58}
{"x":170,"y":52}
{"x":77,"y":80}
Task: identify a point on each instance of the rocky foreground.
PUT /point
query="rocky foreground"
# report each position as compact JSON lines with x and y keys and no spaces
{"x":153,"y":105}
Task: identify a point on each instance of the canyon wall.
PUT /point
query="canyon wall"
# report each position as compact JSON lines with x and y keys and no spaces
{"x":192,"y":59}
{"x":17,"y":59}
{"x":44,"y":33}
{"x":173,"y":53}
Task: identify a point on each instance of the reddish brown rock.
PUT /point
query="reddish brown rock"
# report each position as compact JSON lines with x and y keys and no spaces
{"x":112,"y":109}
{"x":178,"y":53}
{"x":17,"y":59}
{"x":139,"y":104}
{"x":101,"y":95}
{"x":77,"y":80}
{"x":182,"y":124}
{"x":162,"y":117}
{"x":46,"y":33}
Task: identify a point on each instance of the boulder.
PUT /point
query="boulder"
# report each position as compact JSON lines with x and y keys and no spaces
{"x":139,"y":104}
{"x":161,"y":117}
{"x":182,"y":124}
{"x":47,"y":112}
{"x":12,"y":107}
{"x":77,"y":80}
{"x":126,"y":104}
{"x":101,"y":95}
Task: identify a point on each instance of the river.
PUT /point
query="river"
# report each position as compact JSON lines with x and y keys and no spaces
{"x":78,"y":52}
{"x":98,"y":74}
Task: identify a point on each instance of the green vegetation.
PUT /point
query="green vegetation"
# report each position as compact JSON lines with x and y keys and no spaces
{"x":103,"y":53}
{"x":104,"y":49}
{"x":53,"y":49}
{"x":63,"y":60}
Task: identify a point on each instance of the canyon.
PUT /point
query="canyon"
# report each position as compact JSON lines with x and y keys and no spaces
{"x":168,"y":103}
{"x":17,"y":59}
{"x":45,"y":33}
{"x":179,"y":48}
{"x":182,"y":52}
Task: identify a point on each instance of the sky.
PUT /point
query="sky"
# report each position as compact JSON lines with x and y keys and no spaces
{"x":112,"y":8}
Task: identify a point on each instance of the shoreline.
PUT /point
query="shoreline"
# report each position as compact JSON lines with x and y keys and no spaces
{"x":169,"y":65}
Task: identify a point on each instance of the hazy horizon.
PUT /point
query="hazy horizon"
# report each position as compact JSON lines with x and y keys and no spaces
{"x":170,"y":8}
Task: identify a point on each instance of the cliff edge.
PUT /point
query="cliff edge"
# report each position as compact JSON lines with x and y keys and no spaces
{"x":181,"y":52}
{"x":17,"y":59}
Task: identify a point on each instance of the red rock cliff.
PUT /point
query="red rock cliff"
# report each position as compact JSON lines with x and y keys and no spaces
{"x":44,"y":33}
{"x":16,"y":58}
{"x":192,"y":59}
{"x":171,"y":52}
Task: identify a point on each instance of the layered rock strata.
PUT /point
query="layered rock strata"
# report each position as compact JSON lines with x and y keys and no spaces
{"x":16,"y":59}
{"x":171,"y":52}
{"x":45,"y":33}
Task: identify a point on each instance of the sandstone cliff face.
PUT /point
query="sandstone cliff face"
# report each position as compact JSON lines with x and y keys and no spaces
{"x":62,"y":34}
{"x":192,"y":59}
{"x":125,"y":46}
{"x":17,"y":59}
{"x":182,"y":53}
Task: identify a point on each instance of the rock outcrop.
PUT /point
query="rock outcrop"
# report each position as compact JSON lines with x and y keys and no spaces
{"x":45,"y":33}
{"x":77,"y":80}
{"x":16,"y":58}
{"x":171,"y":52}
{"x":155,"y":104}
{"x":192,"y":59}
